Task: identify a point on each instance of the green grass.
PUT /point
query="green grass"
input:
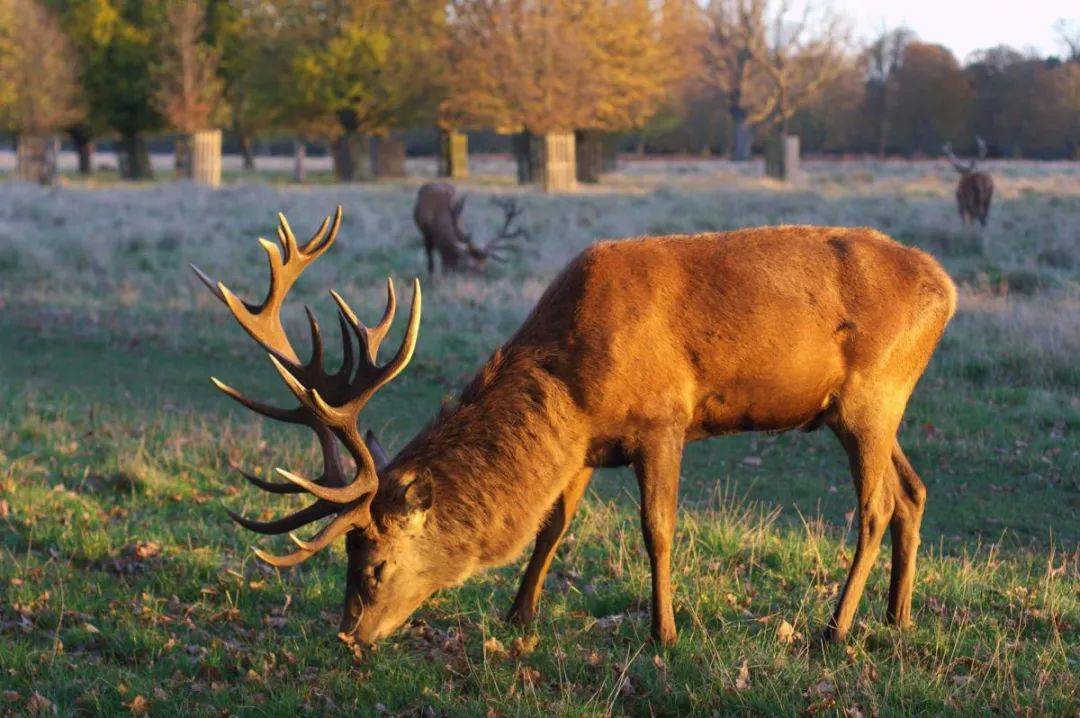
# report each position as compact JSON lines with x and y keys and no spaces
{"x":125,"y":587}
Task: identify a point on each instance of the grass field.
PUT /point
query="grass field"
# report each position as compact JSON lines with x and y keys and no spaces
{"x":126,"y":588}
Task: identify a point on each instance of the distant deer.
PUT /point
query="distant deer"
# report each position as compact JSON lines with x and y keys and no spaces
{"x":975,"y":188}
{"x":636,"y":348}
{"x":438,"y":214}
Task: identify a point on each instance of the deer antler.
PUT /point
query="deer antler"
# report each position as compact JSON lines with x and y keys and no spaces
{"x":956,"y":163}
{"x":329,"y":403}
{"x":504,"y":236}
{"x":982,"y":149}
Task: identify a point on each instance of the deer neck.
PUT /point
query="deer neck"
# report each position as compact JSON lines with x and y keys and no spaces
{"x":499,"y":457}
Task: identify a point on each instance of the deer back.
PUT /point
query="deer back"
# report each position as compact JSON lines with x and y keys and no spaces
{"x":438,"y":214}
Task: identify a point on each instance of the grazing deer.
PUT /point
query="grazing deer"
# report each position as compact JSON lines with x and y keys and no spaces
{"x":438,"y":215}
{"x":636,"y":348}
{"x":975,"y":188}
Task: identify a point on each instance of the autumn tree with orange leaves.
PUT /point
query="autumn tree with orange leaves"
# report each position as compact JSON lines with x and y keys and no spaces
{"x":556,"y":66}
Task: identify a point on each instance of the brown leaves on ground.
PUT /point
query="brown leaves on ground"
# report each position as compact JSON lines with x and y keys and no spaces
{"x":138,"y":706}
{"x":742,"y":679}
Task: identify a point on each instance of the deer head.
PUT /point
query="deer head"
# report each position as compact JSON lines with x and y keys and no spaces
{"x":502,"y":239}
{"x":959,"y":166}
{"x":380,"y":510}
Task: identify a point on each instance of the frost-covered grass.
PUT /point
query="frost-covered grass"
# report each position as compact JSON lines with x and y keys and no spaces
{"x":124,"y":584}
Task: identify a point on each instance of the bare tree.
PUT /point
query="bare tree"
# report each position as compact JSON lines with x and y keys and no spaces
{"x":770,"y":61}
{"x":883,"y":57}
{"x":1069,"y":36}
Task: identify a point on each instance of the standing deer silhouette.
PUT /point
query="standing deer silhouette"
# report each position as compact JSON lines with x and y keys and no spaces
{"x":975,"y":188}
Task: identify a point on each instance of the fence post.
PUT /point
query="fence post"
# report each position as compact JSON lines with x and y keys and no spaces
{"x":205,"y":158}
{"x":453,"y":154}
{"x":555,"y":161}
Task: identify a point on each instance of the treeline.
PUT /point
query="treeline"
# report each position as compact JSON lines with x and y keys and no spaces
{"x":674,"y":75}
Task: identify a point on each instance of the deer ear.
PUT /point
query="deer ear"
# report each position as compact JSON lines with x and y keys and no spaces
{"x":420,"y":493}
{"x":376,"y":450}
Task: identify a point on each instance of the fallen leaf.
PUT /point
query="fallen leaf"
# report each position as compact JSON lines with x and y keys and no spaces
{"x":658,"y":661}
{"x":742,"y":681}
{"x":494,"y":647}
{"x":752,"y":460}
{"x":40,"y":705}
{"x":529,"y":676}
{"x":11,"y":696}
{"x":523,"y":646}
{"x":785,"y":632}
{"x":138,"y":706}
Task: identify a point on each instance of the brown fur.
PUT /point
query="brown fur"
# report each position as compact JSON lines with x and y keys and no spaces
{"x":973,"y":194}
{"x":637,"y":347}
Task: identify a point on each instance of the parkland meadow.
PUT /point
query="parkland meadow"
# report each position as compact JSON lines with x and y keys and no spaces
{"x":124,"y":586}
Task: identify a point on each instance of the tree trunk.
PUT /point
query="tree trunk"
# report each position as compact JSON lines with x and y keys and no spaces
{"x":390,"y":156}
{"x":36,"y":158}
{"x":352,"y":157}
{"x":453,"y":154}
{"x":742,"y":138}
{"x":182,"y":156}
{"x":246,"y":150}
{"x":84,"y":148}
{"x":589,"y":155}
{"x":134,"y":158}
{"x":299,"y":154}
{"x":522,"y":145}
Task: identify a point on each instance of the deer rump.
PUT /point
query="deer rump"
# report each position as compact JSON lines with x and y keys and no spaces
{"x":637,"y":347}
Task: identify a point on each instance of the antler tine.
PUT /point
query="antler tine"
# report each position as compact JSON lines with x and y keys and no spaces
{"x":291,"y":416}
{"x":981,"y":144}
{"x":340,"y":525}
{"x":263,"y":321}
{"x":303,"y":517}
{"x":370,"y":337}
{"x":956,"y":163}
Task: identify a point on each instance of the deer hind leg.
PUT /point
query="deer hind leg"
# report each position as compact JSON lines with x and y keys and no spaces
{"x":429,"y":249}
{"x":869,"y":449}
{"x":657,"y":468}
{"x":547,"y":540}
{"x":909,"y":494}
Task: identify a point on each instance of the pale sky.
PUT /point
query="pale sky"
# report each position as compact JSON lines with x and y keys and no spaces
{"x":966,"y":25}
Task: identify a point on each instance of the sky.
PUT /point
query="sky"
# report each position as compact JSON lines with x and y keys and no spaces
{"x":966,"y":25}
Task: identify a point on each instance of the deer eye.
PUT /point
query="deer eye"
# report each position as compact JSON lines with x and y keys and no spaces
{"x":373,"y":574}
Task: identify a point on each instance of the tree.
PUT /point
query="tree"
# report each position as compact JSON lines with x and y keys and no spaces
{"x":556,"y":66}
{"x":882,"y":58}
{"x":39,"y":90}
{"x":189,"y":92}
{"x":117,"y":41}
{"x":933,"y":99}
{"x":770,"y":62}
{"x":367,"y":67}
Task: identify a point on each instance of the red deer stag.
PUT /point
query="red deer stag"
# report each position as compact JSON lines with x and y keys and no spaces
{"x":637,"y":347}
{"x":975,"y":188}
{"x":438,"y":214}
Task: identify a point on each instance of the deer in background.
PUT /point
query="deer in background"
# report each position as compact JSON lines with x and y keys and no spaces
{"x":975,"y":188}
{"x":438,"y":214}
{"x":636,"y":348}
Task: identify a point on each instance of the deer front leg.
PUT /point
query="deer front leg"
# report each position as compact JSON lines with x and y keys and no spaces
{"x":657,"y":468}
{"x":547,"y":540}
